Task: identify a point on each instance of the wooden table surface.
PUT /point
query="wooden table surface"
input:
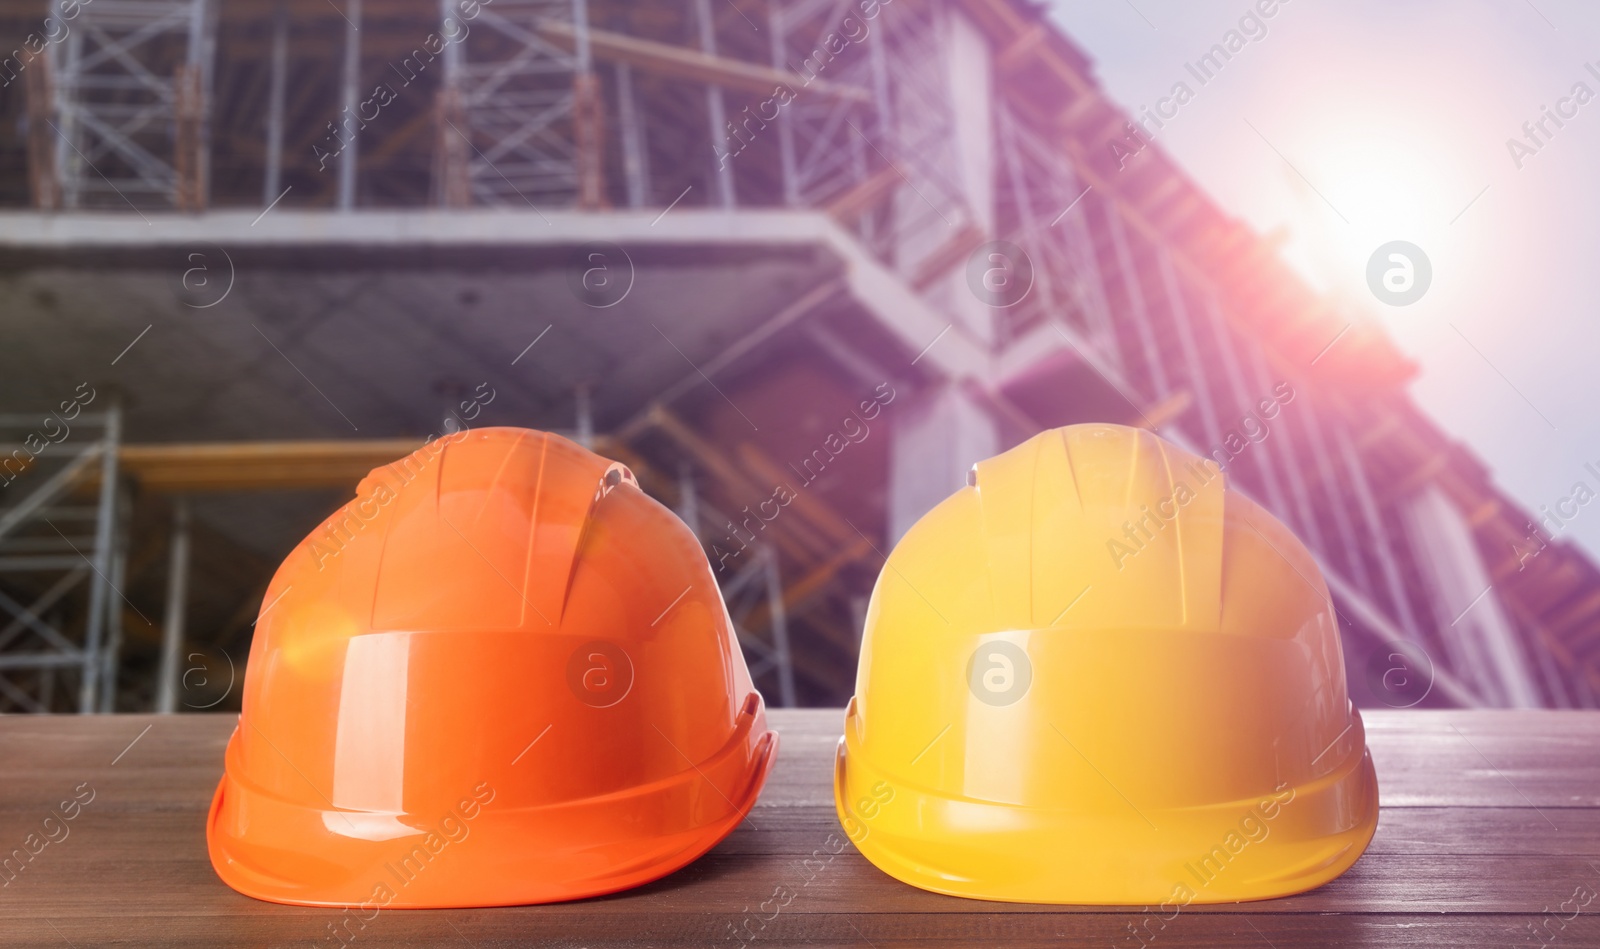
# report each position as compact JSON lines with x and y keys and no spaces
{"x":1490,"y":823}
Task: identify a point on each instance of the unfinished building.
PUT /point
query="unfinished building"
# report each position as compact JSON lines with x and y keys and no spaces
{"x":821,"y":254}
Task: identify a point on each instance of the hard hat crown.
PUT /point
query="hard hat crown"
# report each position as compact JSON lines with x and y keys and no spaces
{"x":503,"y":611}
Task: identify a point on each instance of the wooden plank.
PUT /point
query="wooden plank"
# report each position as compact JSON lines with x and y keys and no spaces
{"x":1446,"y":758}
{"x":1402,"y":831}
{"x":251,"y":466}
{"x":866,"y":193}
{"x":1425,"y":758}
{"x":527,"y":927}
{"x":1489,"y":817}
{"x":678,"y":62}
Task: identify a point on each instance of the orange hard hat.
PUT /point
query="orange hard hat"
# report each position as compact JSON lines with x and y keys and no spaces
{"x":501,"y":674}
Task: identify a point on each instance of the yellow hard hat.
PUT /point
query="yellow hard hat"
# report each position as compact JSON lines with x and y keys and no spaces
{"x":1098,"y":675}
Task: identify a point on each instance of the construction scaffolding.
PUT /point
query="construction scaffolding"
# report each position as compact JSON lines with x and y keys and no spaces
{"x":519,"y":108}
{"x":65,"y":630}
{"x":128,"y":106}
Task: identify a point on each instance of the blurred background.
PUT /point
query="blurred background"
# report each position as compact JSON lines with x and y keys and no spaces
{"x":799,"y":265}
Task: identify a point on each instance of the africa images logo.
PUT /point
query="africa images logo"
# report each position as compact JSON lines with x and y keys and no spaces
{"x":1399,"y":273}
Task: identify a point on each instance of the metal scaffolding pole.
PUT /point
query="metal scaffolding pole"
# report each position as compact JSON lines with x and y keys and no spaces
{"x":64,"y":139}
{"x":1550,"y":672}
{"x":587,"y":115}
{"x":276,"y":82}
{"x":635,"y":154}
{"x":1196,"y":375}
{"x":100,"y":589}
{"x":177,"y":597}
{"x":777,"y":31}
{"x":1281,"y":447}
{"x":1241,"y":393}
{"x":582,"y":61}
{"x":350,"y":118}
{"x":111,"y":653}
{"x":688,"y":498}
{"x":780,"y":630}
{"x":716,"y":109}
{"x":584,"y":409}
{"x":1027,"y":224}
{"x":878,"y":64}
{"x":883,"y":106}
{"x":1369,"y":512}
{"x":1298,"y":487}
{"x":1331,"y":484}
{"x":1136,"y":302}
{"x":192,"y":122}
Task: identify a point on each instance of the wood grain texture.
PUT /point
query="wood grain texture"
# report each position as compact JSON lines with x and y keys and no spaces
{"x":1490,"y":820}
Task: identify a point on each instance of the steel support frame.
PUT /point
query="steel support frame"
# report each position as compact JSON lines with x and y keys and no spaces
{"x":905,"y":127}
{"x":758,"y":581}
{"x":825,"y":142}
{"x":921,"y":138}
{"x":1366,"y":502}
{"x":755,"y":583}
{"x":1368,"y":611}
{"x":1226,"y":344}
{"x":1331,"y":486}
{"x":127,"y":128}
{"x":1197,"y":378}
{"x":33,"y":639}
{"x":1283,"y":449}
{"x":1037,"y":190}
{"x":513,"y":94}
{"x":1326,"y":438}
{"x":1138,"y":308}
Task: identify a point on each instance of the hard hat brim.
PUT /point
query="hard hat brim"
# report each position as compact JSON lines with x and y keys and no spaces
{"x":1261,"y":848}
{"x":279,"y":851}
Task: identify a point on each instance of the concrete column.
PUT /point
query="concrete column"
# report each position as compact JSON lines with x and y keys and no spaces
{"x":971,"y":77}
{"x":935,"y":441}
